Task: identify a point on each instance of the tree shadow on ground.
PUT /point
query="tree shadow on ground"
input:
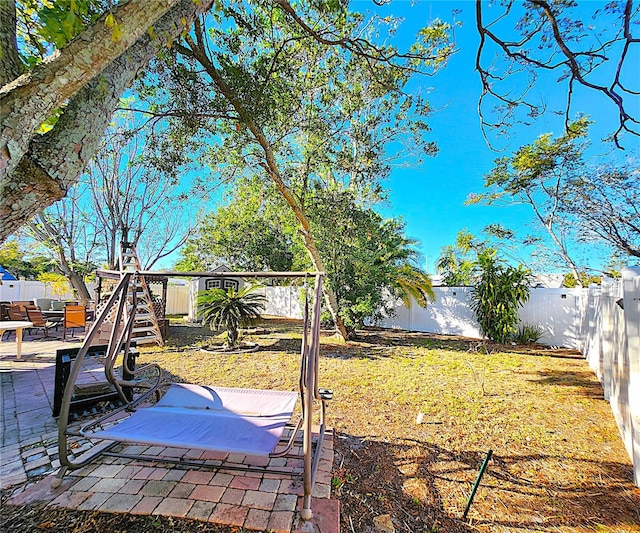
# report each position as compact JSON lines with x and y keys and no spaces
{"x":424,"y":487}
{"x":583,"y":382}
{"x":376,"y":343}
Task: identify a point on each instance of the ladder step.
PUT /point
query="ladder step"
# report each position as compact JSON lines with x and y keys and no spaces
{"x":145,"y":326}
{"x":149,"y":329}
{"x":144,"y":340}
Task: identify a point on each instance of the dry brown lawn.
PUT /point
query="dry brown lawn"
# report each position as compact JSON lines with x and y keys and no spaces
{"x":558,"y":463}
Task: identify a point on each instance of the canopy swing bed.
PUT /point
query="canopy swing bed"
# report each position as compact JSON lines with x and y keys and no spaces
{"x":208,"y":418}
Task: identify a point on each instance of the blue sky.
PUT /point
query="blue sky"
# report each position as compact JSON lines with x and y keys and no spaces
{"x":431,"y":198}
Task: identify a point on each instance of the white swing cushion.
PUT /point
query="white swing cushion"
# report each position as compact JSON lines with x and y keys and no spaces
{"x":247,"y":421}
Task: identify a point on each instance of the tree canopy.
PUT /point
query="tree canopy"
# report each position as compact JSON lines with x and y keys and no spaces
{"x":81,"y":83}
{"x":367,"y":259}
{"x":572,"y":198}
{"x":254,"y":230}
{"x":310,"y":110}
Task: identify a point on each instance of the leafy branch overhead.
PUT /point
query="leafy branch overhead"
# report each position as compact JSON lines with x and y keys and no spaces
{"x":572,"y":199}
{"x":321,"y":114}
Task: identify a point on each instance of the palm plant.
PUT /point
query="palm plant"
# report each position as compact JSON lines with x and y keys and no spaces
{"x":229,"y":309}
{"x":501,"y":289}
{"x":414,"y":284}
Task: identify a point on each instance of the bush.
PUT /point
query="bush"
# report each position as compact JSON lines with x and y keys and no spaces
{"x":497,"y":295}
{"x":528,"y":334}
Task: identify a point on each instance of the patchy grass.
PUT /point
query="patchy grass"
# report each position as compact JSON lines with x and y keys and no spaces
{"x":558,"y":461}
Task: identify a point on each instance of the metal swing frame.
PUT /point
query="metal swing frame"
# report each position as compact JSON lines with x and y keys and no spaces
{"x":121,"y":308}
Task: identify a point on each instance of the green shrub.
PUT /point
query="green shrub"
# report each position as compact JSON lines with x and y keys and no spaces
{"x":528,"y":334}
{"x":497,"y":295}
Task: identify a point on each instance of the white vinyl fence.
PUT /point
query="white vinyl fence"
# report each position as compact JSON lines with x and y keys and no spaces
{"x":23,"y":290}
{"x":555,"y":311}
{"x":602,"y":322}
{"x":611,"y":345}
{"x":283,"y":301}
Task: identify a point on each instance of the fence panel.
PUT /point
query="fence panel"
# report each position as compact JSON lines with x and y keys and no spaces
{"x":178,"y":301}
{"x":554,"y":311}
{"x":629,"y":374}
{"x":283,"y":302}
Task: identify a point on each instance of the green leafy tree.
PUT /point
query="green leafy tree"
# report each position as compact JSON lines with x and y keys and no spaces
{"x":313,"y":108}
{"x":585,"y":280}
{"x":103,"y":45}
{"x":367,"y":258}
{"x":57,"y":282}
{"x":497,"y":295}
{"x":538,"y":175}
{"x":457,"y":262}
{"x":572,"y":198}
{"x":229,"y":309}
{"x":17,"y":261}
{"x":253,"y":231}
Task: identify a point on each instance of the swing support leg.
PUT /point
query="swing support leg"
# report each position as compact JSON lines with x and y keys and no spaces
{"x":58,"y":479}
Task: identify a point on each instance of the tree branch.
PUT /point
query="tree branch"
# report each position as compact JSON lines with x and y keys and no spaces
{"x":579,"y":63}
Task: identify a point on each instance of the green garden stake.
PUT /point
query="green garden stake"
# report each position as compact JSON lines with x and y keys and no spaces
{"x":477,"y":483}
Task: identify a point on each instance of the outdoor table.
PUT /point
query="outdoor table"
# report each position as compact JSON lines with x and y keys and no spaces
{"x":18,"y":325}
{"x":54,"y":316}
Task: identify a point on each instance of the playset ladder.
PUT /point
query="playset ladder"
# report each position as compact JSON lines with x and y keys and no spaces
{"x":145,"y":325}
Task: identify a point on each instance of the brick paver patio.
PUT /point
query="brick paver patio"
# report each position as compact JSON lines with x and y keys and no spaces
{"x":28,"y":440}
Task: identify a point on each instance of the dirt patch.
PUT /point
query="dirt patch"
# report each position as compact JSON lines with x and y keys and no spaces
{"x":35,"y":518}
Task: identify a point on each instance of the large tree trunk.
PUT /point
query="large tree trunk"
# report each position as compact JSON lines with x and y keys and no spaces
{"x":55,"y":160}
{"x":78,"y":285}
{"x":30,"y":99}
{"x":271,"y":166}
{"x":10,"y":64}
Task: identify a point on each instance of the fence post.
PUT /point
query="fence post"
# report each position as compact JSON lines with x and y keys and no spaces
{"x":609,"y":331}
{"x":631,"y":287}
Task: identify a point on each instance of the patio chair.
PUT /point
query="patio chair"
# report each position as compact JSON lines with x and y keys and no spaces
{"x":17,"y":312}
{"x":38,"y":321}
{"x":75,"y":316}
